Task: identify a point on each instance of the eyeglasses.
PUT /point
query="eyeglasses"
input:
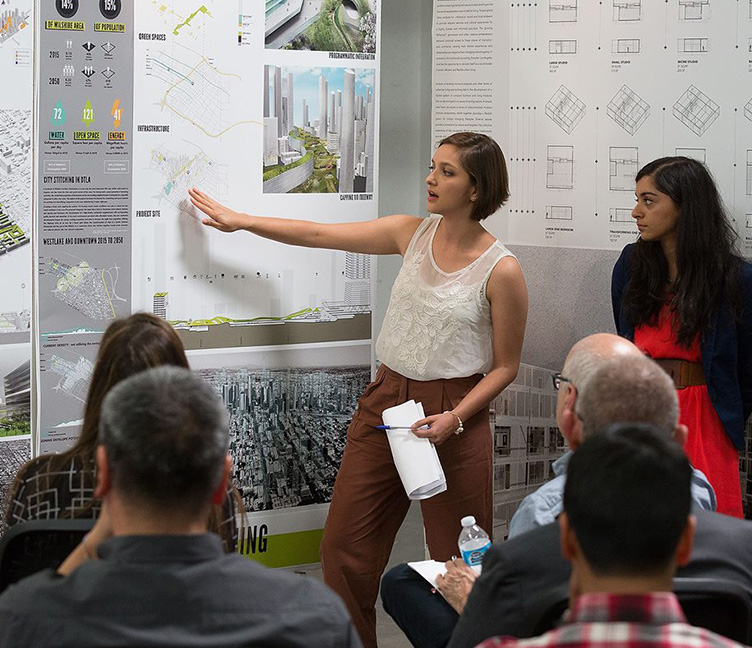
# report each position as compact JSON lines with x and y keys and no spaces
{"x":557,"y":379}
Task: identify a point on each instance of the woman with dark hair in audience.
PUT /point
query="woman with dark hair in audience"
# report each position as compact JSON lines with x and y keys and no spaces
{"x":451,"y":339}
{"x":683,"y":294}
{"x":62,"y":485}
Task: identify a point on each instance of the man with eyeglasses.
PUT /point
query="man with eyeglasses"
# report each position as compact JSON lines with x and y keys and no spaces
{"x":605,"y":380}
{"x":648,"y":401}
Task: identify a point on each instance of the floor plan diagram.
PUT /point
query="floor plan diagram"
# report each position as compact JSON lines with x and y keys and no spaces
{"x":562,"y":46}
{"x":693,"y":45}
{"x":620,"y":215}
{"x":699,"y":154}
{"x":562,"y":11}
{"x":625,"y":45}
{"x":627,"y":10}
{"x":623,"y":165}
{"x":693,"y":9}
{"x":559,"y":212}
{"x":560,"y":167}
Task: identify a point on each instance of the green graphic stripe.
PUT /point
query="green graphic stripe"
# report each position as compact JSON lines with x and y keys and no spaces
{"x":287,"y":549}
{"x":201,"y":9}
{"x":220,"y":319}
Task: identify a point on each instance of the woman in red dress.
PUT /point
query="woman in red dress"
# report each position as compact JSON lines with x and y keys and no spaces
{"x":684,"y":296}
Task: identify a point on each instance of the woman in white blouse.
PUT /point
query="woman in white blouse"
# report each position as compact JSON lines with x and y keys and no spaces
{"x":451,"y":339}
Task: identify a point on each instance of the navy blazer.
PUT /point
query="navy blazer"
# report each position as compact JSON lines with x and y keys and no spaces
{"x":726,"y":350}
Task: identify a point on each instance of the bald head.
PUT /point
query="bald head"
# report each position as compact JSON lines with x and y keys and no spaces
{"x":590,"y":352}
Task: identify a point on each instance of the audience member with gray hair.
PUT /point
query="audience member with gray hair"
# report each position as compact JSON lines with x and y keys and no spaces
{"x":149,"y":573}
{"x":598,"y":389}
{"x":633,"y":389}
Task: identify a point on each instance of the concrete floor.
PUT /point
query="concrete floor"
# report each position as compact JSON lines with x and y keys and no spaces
{"x":409,"y":545}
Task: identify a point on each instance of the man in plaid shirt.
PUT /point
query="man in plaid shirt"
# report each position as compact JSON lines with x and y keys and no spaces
{"x":626,"y":527}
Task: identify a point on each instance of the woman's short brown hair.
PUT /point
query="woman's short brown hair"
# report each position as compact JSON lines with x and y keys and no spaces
{"x":482,"y":158}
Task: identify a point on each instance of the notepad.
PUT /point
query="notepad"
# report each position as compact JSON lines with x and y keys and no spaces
{"x":416,"y":459}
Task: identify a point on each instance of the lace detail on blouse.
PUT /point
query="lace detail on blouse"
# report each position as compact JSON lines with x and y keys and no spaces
{"x":438,"y":324}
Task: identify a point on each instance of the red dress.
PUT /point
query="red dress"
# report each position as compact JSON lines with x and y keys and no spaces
{"x":708,"y":446}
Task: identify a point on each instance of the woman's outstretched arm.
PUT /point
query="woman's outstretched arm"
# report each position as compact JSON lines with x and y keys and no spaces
{"x":387,"y":235}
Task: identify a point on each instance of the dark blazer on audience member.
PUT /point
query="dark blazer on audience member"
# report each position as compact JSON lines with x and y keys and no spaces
{"x":522,"y":576}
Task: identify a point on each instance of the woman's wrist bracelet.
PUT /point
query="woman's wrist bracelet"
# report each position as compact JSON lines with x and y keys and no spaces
{"x":460,"y":428}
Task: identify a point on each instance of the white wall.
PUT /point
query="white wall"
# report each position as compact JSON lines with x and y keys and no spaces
{"x":405,"y":138}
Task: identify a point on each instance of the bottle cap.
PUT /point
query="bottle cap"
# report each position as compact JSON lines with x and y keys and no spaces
{"x":467,"y":521}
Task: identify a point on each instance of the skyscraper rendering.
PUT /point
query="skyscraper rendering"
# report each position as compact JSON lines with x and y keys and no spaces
{"x":344,"y":124}
{"x":290,"y":105}
{"x":370,"y":135}
{"x":278,"y":100}
{"x":271,"y":150}
{"x":323,"y":97}
{"x":266,"y":91}
{"x":333,"y":114}
{"x":347,"y":134}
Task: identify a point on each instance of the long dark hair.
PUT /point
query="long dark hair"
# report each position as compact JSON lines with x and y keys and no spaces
{"x":707,"y":263}
{"x":128,"y":346}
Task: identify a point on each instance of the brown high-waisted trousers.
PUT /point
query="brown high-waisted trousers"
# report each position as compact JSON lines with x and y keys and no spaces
{"x":369,"y":502}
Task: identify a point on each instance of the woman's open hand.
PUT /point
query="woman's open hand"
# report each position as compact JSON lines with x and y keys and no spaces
{"x":219,"y":216}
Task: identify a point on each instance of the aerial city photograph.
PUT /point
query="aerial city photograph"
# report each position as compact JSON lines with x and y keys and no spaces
{"x":287,"y":430}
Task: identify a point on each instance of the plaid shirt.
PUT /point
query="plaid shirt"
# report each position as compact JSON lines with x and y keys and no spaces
{"x":613,"y":621}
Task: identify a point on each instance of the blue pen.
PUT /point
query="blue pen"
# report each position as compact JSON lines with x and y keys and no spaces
{"x":393,"y":427}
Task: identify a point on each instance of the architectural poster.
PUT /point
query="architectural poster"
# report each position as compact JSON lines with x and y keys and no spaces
{"x":16,"y":83}
{"x":268,"y":107}
{"x":570,"y":89}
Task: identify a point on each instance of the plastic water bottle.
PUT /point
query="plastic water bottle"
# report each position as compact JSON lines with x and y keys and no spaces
{"x":473,"y":542}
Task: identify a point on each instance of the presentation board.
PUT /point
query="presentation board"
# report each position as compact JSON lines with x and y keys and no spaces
{"x":16,"y":83}
{"x":270,"y":108}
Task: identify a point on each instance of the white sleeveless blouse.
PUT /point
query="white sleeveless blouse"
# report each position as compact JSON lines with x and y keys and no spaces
{"x":438,"y":324}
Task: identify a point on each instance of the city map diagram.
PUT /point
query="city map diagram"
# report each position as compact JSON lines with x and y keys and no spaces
{"x":180,"y":22}
{"x":195,"y":90}
{"x":181,"y":171}
{"x":74,"y":376}
{"x":89,"y":290}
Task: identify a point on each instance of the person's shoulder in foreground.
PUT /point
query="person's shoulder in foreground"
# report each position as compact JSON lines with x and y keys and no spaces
{"x":655,"y":619}
{"x":172,"y":591}
{"x":625,"y":529}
